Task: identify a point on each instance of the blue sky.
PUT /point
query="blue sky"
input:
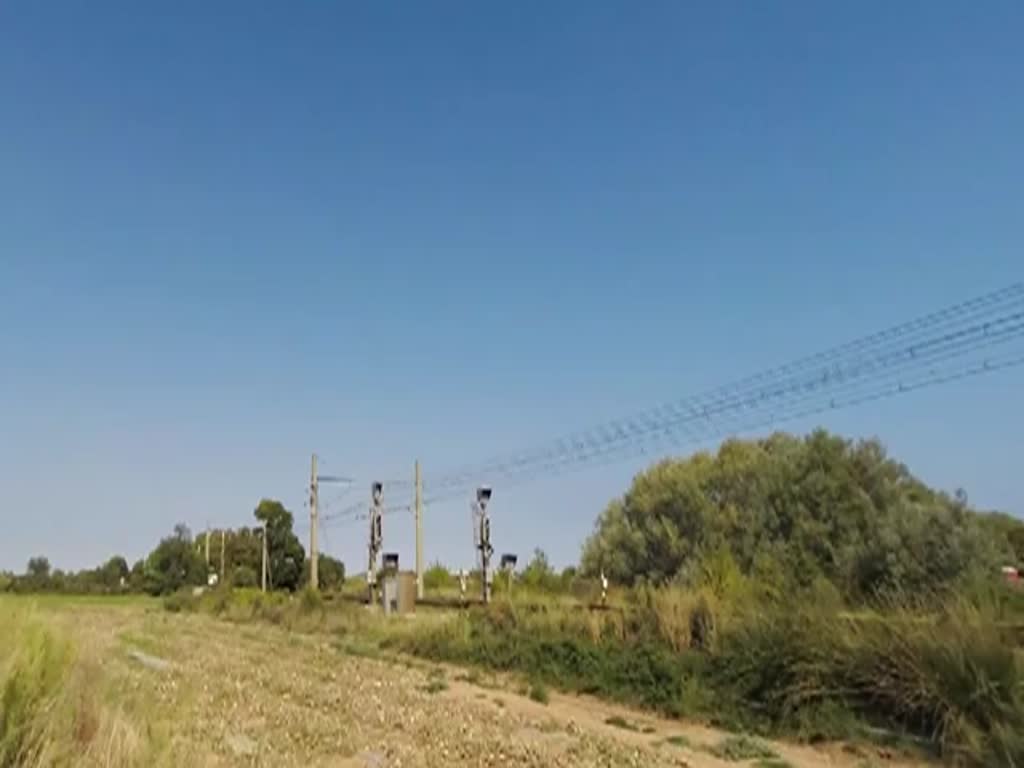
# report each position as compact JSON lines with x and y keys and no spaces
{"x":232,"y":234}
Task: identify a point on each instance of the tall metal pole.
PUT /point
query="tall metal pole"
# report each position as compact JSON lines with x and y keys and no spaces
{"x":419,"y":533}
{"x":263,"y":573}
{"x":314,"y":572}
{"x":221,"y":556}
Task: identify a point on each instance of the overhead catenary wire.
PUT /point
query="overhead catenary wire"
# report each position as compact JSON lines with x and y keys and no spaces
{"x":844,"y":382}
{"x":360,"y":508}
{"x":677,"y":434}
{"x":344,"y":522}
{"x":844,"y":375}
{"x":899,"y":336}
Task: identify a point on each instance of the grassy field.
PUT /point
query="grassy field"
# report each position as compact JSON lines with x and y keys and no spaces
{"x":940,"y":678}
{"x":78,"y":688}
{"x":58,"y":703}
{"x":299,"y":682}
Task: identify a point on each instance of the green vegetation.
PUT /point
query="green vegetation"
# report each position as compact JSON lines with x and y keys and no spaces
{"x":740,"y":748}
{"x":287,"y":557}
{"x":436,"y":681}
{"x":618,"y":721}
{"x":36,"y":666}
{"x":787,"y":512}
{"x":54,"y":710}
{"x":174,"y":564}
{"x":435,"y":686}
{"x":437,"y":578}
{"x":539,"y":692}
{"x":679,"y":741}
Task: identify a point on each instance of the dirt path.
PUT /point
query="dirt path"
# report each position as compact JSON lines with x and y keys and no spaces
{"x":259,"y":696}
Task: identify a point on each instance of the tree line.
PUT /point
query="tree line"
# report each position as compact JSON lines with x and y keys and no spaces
{"x":180,"y":561}
{"x":784,"y":512}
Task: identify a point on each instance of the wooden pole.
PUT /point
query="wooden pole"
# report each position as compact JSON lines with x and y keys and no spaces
{"x":419,"y":533}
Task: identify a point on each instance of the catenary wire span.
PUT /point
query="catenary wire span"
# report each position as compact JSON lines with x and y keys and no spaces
{"x":935,"y":348}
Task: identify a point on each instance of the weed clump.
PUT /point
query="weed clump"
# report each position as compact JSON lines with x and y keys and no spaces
{"x":617,"y":721}
{"x":739,"y":748}
{"x":539,"y":692}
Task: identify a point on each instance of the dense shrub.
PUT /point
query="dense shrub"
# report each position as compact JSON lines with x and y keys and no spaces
{"x":942,"y":673}
{"x":789,"y":511}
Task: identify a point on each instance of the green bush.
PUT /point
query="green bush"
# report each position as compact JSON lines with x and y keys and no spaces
{"x":244,"y":577}
{"x":944,"y":674}
{"x":437,"y":578}
{"x":741,"y":748}
{"x":502,"y":640}
{"x":539,"y":692}
{"x":179,"y":601}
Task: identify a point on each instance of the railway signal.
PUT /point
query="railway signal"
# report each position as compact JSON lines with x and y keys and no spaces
{"x":376,"y":536}
{"x":482,"y":537}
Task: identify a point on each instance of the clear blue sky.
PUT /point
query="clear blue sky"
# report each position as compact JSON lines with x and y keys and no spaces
{"x":234,"y":233}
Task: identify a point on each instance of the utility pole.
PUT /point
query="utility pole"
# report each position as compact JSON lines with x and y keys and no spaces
{"x":207,"y":545}
{"x":263,"y":573}
{"x":419,"y":533}
{"x":221,"y":555}
{"x":314,"y":571}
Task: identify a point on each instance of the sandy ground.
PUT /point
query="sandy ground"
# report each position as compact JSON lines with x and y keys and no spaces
{"x":256,"y":695}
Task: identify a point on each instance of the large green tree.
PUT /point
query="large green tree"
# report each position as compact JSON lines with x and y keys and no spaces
{"x":788,"y":511}
{"x":175,"y":563}
{"x":286,"y":555}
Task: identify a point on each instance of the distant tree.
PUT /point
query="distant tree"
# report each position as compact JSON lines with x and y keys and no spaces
{"x":113,"y":573}
{"x":286,"y":555}
{"x":37,"y":576}
{"x":137,"y":576}
{"x":331,"y":572}
{"x":174,"y":564}
{"x":38,"y":568}
{"x":244,"y":547}
{"x":61,"y":582}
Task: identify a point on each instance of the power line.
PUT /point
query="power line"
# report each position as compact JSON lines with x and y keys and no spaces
{"x":844,"y":382}
{"x":343,"y":522}
{"x":845,"y":375}
{"x":904,"y":333}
